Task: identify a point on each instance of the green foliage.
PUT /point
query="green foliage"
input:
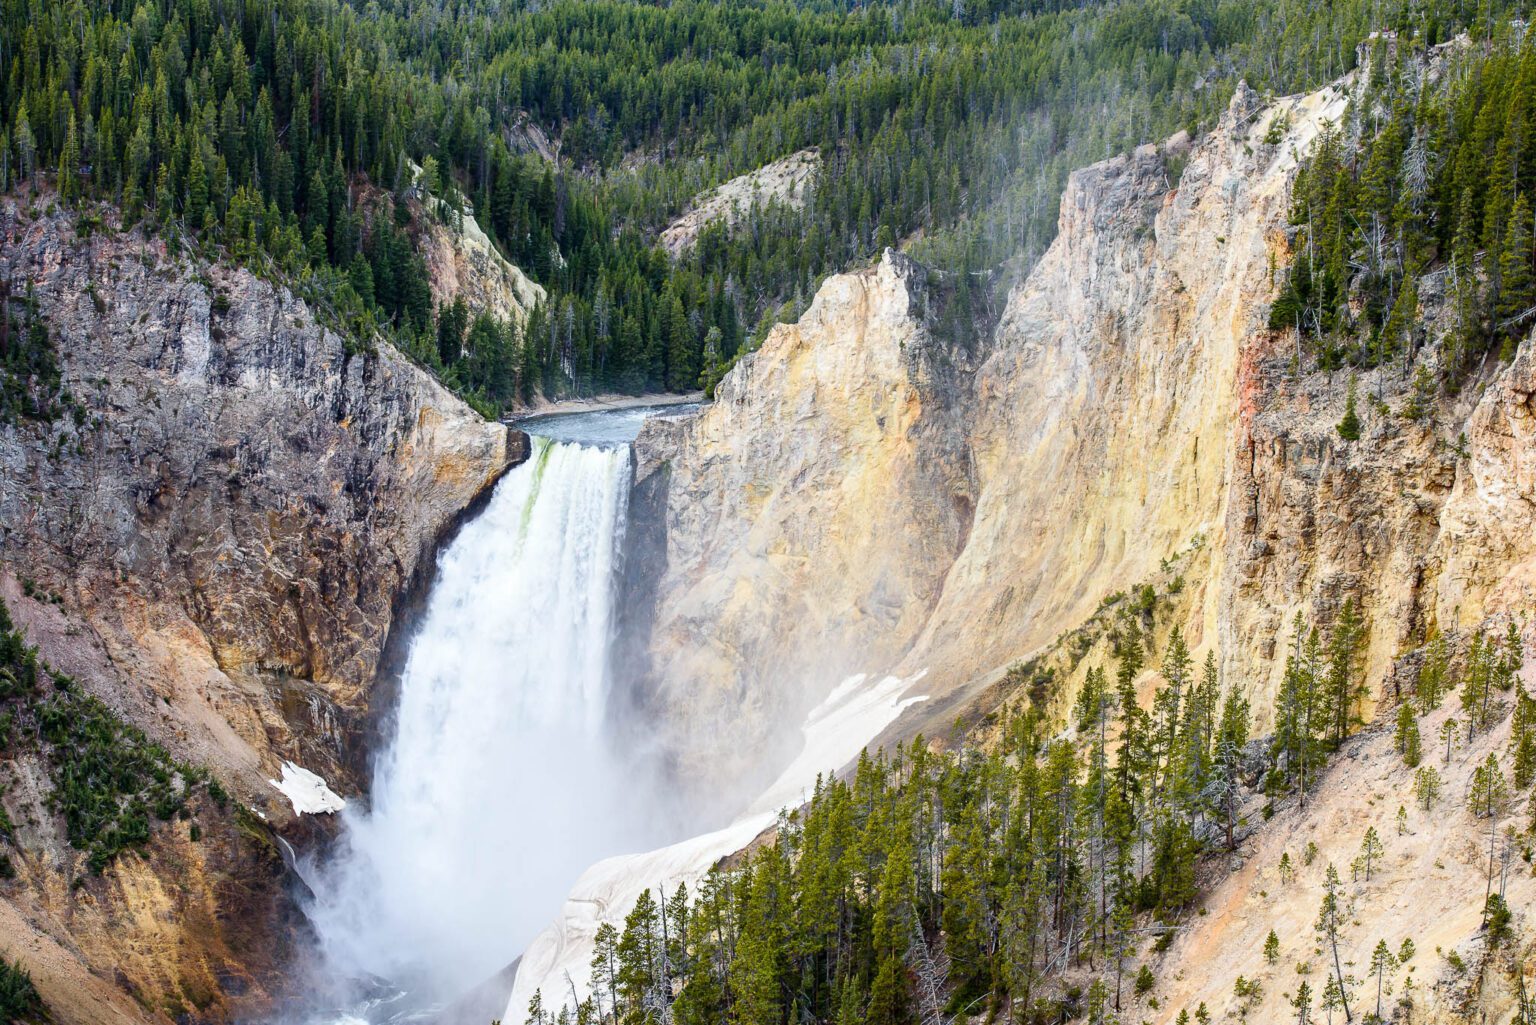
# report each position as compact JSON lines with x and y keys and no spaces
{"x":1440,"y":179}
{"x":30,"y":383}
{"x":1371,"y":850}
{"x":1426,"y":787}
{"x":1349,"y":427}
{"x":1434,"y":675}
{"x":1498,"y":917}
{"x":109,"y":782}
{"x":1046,"y":848}
{"x":19,"y":1001}
{"x":281,"y":134}
{"x":1522,"y":740}
{"x":1489,"y":788}
{"x":1319,"y":700}
{"x":1406,"y":738}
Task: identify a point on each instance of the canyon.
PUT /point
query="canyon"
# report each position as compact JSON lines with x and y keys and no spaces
{"x":860,"y":478}
{"x":233,"y":517}
{"x":245,"y":512}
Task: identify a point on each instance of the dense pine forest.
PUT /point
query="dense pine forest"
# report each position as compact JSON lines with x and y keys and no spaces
{"x":1020,"y":869}
{"x":285,"y":134}
{"x":1423,"y":193}
{"x":985,"y":880}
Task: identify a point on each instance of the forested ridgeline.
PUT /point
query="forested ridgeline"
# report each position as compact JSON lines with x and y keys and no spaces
{"x":283,"y":133}
{"x":1415,"y":247}
{"x":1035,"y":880}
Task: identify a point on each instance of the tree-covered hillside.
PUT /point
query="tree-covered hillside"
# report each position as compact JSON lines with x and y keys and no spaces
{"x":1428,"y":183}
{"x":283,"y":132}
{"x":1034,"y":879}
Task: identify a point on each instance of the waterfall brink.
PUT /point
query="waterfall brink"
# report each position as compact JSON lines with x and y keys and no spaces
{"x":499,"y":784}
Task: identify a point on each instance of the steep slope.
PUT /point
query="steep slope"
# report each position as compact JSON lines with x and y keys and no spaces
{"x":1428,"y":888}
{"x":1092,"y":440}
{"x":783,"y":181}
{"x":809,"y":516}
{"x":463,"y":263}
{"x":1132,"y":405}
{"x":216,"y":539}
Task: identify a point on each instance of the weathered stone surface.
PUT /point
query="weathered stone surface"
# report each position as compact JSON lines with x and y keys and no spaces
{"x":231,"y":522}
{"x":785,"y":181}
{"x":239,"y":481}
{"x":463,"y":263}
{"x":1104,"y":424}
{"x":1132,"y":405}
{"x":810,"y":513}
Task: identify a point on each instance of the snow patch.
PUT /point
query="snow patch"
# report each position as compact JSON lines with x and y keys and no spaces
{"x":559,"y":958}
{"x":310,"y":794}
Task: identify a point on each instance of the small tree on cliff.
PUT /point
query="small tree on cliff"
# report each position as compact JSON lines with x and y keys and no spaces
{"x":1330,"y":919}
{"x":1349,"y":427}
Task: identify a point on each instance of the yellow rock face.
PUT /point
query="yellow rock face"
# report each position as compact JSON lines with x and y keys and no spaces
{"x":865,"y":497}
{"x":810,"y":513}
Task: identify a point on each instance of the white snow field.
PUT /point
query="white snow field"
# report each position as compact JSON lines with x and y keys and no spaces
{"x":309,"y":794}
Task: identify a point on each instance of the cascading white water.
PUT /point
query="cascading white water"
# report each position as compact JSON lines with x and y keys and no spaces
{"x":499,"y":785}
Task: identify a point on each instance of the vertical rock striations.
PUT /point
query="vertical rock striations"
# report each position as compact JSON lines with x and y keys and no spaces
{"x":230,"y":511}
{"x":1132,"y":405}
{"x":810,"y":513}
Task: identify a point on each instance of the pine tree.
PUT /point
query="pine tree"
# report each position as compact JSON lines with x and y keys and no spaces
{"x":1518,"y":285}
{"x":682,"y":372}
{"x":1489,"y":788}
{"x":197,"y":189}
{"x":1522,"y":740}
{"x":1406,"y":737}
{"x":452,"y":321}
{"x":1432,"y":675}
{"x":1383,"y":964}
{"x":1371,"y":849}
{"x":1448,"y":734}
{"x":1330,"y":923}
{"x":26,"y":142}
{"x":1477,"y":688}
{"x":1231,"y":739}
{"x":1302,"y":1002}
{"x":1344,"y":688}
{"x":69,"y":164}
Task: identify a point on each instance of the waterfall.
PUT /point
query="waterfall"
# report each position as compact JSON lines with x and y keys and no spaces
{"x":499,"y":784}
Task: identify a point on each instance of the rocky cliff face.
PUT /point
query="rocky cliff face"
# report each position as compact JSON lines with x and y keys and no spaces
{"x":463,"y":263}
{"x":1132,"y":406}
{"x":810,"y":513}
{"x":229,"y":520}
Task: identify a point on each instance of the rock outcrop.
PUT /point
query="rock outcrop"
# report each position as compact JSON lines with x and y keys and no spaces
{"x":787,"y":181}
{"x":1104,"y":427}
{"x":230,"y":515}
{"x":463,"y":263}
{"x":1132,"y":406}
{"x":809,"y":514}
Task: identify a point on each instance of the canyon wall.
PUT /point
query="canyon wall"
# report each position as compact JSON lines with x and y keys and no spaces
{"x":1131,"y":411}
{"x":214,"y":539}
{"x":809,"y":515}
{"x":463,"y":263}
